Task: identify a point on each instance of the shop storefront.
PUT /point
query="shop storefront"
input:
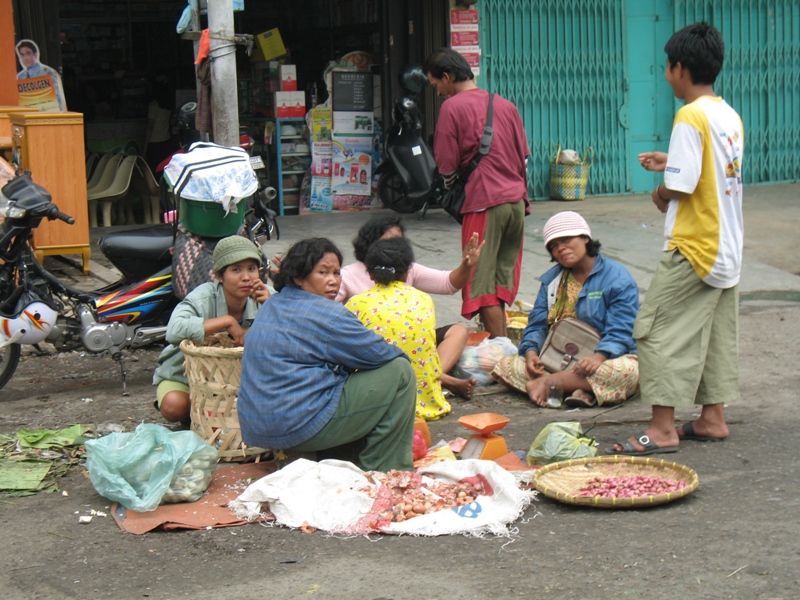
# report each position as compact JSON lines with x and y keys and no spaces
{"x":115,"y":54}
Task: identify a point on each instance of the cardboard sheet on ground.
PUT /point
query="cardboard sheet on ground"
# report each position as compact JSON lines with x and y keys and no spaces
{"x":210,"y":511}
{"x":335,"y":496}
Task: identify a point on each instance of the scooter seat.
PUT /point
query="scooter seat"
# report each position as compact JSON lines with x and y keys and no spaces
{"x":139,"y":253}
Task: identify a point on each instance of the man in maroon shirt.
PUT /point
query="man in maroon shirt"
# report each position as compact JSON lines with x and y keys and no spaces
{"x":497,"y":191}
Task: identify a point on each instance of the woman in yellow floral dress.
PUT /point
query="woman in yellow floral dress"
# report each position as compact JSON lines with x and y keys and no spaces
{"x":404,"y":316}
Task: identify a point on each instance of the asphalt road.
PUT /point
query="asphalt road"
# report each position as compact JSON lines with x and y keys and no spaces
{"x":735,"y":537}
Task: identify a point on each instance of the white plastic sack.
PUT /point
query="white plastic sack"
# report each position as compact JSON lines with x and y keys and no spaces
{"x":569,"y":157}
{"x":212,"y":173}
{"x":479,"y":361}
{"x":333,"y":496}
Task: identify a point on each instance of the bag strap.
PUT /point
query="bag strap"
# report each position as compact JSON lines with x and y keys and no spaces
{"x":488,"y":132}
{"x":486,"y":142}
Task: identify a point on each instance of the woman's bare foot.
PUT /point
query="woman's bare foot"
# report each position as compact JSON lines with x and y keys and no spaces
{"x":537,"y":391}
{"x":460,"y":387}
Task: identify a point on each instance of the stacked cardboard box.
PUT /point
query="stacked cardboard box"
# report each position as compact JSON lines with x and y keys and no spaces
{"x":290,"y":104}
{"x":288,"y":78}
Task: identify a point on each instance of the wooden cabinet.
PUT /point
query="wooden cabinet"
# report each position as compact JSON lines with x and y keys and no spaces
{"x":5,"y":124}
{"x":51,"y":148}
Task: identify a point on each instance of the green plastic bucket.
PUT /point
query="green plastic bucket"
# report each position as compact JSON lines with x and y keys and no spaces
{"x":209,"y":219}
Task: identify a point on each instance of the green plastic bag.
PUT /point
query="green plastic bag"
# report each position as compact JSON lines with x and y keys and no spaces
{"x":137,"y":469}
{"x":560,"y":441}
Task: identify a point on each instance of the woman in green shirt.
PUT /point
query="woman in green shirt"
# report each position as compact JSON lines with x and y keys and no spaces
{"x":228,"y":304}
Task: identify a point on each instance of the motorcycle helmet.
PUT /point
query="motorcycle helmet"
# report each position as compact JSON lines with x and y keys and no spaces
{"x":412,"y":79}
{"x":34,"y":320}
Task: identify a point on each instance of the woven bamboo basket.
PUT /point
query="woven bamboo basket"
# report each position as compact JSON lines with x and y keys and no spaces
{"x":214,"y":369}
{"x":569,"y":182}
{"x":562,"y":480}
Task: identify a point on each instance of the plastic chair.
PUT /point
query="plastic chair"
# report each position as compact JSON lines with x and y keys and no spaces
{"x":91,"y":162}
{"x":106,"y":177}
{"x":145,"y":183}
{"x":115,"y":192}
{"x":99,"y":170}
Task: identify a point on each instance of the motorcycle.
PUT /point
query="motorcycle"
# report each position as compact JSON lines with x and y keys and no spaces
{"x":35,"y":306}
{"x":408,"y":179}
{"x":261,"y":223}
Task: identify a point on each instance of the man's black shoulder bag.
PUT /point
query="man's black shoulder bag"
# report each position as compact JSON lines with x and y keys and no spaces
{"x":453,"y":199}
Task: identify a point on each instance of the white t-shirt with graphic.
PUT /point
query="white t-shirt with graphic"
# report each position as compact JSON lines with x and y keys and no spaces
{"x":705,"y":161}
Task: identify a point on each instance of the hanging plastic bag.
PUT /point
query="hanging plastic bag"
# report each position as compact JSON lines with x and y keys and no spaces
{"x":479,"y":361}
{"x":560,"y":441}
{"x":143,"y":468}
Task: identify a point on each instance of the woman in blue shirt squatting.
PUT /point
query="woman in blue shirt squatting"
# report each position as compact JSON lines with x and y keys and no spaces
{"x":314,"y":378}
{"x":228,"y":304}
{"x":587,"y":286}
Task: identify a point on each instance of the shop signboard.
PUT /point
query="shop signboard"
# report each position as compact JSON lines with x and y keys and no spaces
{"x":351,"y":163}
{"x":463,"y":40}
{"x":321,"y":197}
{"x":352,"y":91}
{"x":465,"y":37}
{"x":464,"y":20}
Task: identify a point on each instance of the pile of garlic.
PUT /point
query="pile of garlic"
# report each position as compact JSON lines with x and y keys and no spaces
{"x":192,"y":480}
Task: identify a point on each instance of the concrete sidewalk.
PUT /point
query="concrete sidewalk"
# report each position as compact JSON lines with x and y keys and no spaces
{"x":629,"y":227}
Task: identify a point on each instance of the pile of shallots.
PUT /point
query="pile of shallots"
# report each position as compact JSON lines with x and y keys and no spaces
{"x":403,"y":495}
{"x":629,"y":487}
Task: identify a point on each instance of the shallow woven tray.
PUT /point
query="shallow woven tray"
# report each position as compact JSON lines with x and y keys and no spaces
{"x":214,"y":369}
{"x":562,"y":479}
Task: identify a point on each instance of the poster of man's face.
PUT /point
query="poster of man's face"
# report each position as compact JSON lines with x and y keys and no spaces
{"x":28,"y":53}
{"x":38,"y":85}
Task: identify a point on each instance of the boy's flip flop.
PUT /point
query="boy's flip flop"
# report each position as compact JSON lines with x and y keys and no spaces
{"x":630,"y":449}
{"x":686,"y":432}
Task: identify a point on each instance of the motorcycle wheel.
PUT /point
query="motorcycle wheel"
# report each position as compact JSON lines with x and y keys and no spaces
{"x":392,"y":192}
{"x":9,"y":359}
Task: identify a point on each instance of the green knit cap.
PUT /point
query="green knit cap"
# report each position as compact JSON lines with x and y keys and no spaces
{"x":232,"y":249}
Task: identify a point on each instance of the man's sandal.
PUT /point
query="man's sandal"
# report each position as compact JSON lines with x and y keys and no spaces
{"x":686,"y":432}
{"x":630,"y":449}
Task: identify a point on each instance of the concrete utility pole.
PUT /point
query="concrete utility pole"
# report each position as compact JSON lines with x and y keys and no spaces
{"x":224,"y":99}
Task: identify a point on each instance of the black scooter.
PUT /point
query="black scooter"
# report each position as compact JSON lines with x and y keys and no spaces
{"x":409,"y":181}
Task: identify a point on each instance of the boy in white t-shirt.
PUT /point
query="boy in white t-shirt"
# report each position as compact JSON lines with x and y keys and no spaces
{"x":687,"y":329}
